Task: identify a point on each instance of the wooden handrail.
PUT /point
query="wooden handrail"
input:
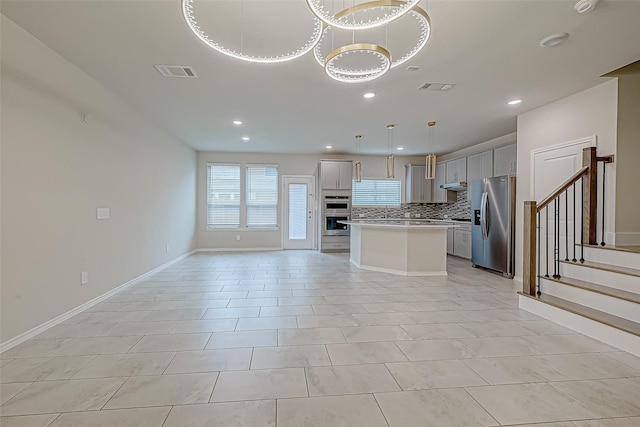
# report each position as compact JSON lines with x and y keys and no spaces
{"x":568,"y":183}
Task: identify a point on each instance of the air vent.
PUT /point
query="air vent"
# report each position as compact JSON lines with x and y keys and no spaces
{"x":437,"y":86}
{"x":413,"y":68}
{"x":176,"y":71}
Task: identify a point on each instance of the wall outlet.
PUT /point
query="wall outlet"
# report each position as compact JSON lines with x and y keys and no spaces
{"x":361,"y":215}
{"x":167,"y":247}
{"x":237,"y":237}
{"x":84,"y":277}
{"x":417,"y":215}
{"x":103,"y":213}
{"x":407,"y":215}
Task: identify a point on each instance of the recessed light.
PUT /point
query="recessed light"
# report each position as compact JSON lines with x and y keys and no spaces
{"x":515,"y":102}
{"x":245,"y":138}
{"x":328,"y":147}
{"x":369,"y":95}
{"x":237,"y":122}
{"x":553,"y":40}
{"x":400,"y":148}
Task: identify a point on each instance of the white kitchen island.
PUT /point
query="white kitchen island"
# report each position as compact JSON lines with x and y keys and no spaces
{"x":408,"y":248}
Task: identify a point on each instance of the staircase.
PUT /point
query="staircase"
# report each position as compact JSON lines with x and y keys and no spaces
{"x":597,"y":294}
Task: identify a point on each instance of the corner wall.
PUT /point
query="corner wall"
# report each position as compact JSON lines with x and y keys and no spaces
{"x":627,"y":193}
{"x":56,"y":171}
{"x":590,"y":112}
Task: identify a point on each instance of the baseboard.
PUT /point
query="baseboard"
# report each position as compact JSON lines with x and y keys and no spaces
{"x":400,"y":272}
{"x":69,"y":314}
{"x":237,"y":249}
{"x":627,"y":239}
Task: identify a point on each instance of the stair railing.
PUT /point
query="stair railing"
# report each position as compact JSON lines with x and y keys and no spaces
{"x":581,"y":189}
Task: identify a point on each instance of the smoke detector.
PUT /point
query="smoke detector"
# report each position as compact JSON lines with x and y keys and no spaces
{"x":584,"y":6}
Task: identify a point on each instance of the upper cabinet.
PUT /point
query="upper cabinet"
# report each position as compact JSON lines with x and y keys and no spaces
{"x":480,"y":166}
{"x":336,"y":175}
{"x":504,"y":160}
{"x":417,"y":188}
{"x":439,"y":195}
{"x":456,"y":170}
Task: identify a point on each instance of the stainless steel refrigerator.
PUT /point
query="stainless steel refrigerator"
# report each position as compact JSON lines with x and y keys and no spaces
{"x":492,"y":223}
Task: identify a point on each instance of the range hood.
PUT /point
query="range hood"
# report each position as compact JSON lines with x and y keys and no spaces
{"x":455,"y":186}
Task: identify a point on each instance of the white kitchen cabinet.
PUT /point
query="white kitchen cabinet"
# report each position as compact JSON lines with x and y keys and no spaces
{"x":480,"y":166}
{"x":336,"y":175}
{"x":456,"y":170}
{"x":417,"y":188}
{"x":438,"y":195}
{"x":504,"y":160}
{"x":450,"y":241}
{"x":462,"y":242}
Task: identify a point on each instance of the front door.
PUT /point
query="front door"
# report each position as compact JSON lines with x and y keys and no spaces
{"x":298,"y":213}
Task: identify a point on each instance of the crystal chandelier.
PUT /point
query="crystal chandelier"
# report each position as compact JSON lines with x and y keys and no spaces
{"x":331,"y":33}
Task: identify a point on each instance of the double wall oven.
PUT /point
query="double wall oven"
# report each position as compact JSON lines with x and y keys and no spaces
{"x":336,"y":208}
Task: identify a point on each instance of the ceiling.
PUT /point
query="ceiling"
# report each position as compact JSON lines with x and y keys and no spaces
{"x":489,"y":49}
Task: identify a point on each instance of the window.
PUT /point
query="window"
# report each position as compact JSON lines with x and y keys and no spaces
{"x":376,"y":192}
{"x":253,"y":206}
{"x":223,"y":196}
{"x":261,"y":196}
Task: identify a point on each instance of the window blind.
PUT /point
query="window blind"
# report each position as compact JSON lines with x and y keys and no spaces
{"x":223,"y":195}
{"x":376,"y":192}
{"x":262,"y":196}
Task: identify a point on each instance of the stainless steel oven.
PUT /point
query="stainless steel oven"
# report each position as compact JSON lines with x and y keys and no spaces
{"x":337,"y":204}
{"x":332,"y":226}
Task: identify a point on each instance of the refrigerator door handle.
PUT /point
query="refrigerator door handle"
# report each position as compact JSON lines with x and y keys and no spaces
{"x":483,"y":216}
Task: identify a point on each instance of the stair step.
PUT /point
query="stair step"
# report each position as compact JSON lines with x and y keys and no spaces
{"x":606,"y":267}
{"x":623,"y":256}
{"x":590,"y":313}
{"x":633,"y":249}
{"x":593,"y":287}
{"x":612,"y":276}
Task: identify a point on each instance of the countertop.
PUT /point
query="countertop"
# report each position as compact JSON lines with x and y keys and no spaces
{"x":400,"y":223}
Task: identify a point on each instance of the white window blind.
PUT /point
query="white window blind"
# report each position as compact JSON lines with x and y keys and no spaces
{"x":262,"y":196}
{"x":298,"y":211}
{"x":223,"y":195}
{"x":376,"y":192}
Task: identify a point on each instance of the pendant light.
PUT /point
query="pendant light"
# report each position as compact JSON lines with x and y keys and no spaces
{"x":358,"y":165}
{"x":390,"y":160}
{"x":430,"y":170}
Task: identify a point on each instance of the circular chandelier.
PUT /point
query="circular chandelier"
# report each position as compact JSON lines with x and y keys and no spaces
{"x":369,"y":17}
{"x":190,"y":10}
{"x":421,"y":23}
{"x":350,"y":75}
{"x":226,"y":24}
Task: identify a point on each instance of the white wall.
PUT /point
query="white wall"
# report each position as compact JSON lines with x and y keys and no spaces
{"x":590,"y":112}
{"x":288,"y":164}
{"x":56,"y":171}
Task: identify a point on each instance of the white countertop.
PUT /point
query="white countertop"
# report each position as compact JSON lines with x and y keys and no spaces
{"x":399,"y":223}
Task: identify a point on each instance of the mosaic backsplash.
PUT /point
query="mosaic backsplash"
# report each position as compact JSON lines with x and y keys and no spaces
{"x":460,"y":209}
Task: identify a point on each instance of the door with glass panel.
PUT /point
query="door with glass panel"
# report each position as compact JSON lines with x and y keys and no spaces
{"x":298,"y":198}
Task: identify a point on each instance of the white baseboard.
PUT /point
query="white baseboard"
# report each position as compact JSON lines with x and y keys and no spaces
{"x":69,"y":314}
{"x":237,"y":249}
{"x":599,"y":331}
{"x":627,"y":239}
{"x":400,"y":272}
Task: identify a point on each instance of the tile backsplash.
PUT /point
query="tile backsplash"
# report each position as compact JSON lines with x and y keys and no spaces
{"x":459,"y":209}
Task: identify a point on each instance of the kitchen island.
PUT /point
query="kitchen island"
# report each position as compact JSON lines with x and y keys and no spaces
{"x":404,"y":247}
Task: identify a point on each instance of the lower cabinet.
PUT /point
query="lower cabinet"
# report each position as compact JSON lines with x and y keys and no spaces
{"x":450,"y":241}
{"x":462,"y":242}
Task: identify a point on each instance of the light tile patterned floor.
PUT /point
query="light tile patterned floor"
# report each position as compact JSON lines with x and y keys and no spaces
{"x":299,"y":338}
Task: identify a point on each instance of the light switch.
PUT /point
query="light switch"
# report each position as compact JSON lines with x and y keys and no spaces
{"x":103,"y":213}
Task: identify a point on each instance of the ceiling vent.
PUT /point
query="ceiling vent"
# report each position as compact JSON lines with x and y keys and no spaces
{"x":413,"y":68}
{"x":443,"y":87}
{"x":176,"y":71}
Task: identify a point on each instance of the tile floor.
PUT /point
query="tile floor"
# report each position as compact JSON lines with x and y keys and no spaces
{"x":305,"y":339}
